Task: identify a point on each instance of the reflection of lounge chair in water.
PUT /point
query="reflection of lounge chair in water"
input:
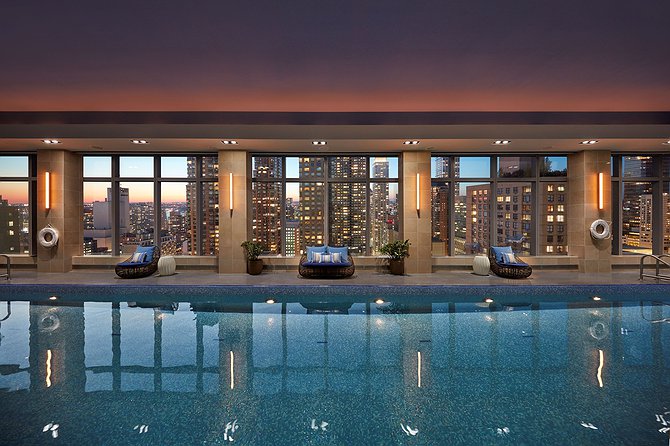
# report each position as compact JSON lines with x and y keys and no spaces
{"x":163,"y":306}
{"x":327,"y":308}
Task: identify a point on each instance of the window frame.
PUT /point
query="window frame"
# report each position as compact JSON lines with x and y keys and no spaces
{"x":31,"y":179}
{"x":536,"y":179}
{"x":116,"y":179}
{"x":327,"y":180}
{"x":618,"y":181}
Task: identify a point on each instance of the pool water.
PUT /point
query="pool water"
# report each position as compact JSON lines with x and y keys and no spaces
{"x":340,"y":373}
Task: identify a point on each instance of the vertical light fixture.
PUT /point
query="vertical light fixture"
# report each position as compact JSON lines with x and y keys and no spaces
{"x":600,"y":191}
{"x":230,"y":191}
{"x":418,"y":194}
{"x":47,"y":191}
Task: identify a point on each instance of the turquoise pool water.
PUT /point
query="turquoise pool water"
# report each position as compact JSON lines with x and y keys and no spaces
{"x":83,"y":371}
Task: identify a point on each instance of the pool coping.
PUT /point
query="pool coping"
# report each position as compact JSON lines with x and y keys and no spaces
{"x":256,"y":293}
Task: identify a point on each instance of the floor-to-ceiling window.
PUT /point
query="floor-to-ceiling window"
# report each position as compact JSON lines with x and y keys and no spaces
{"x":170,"y":201}
{"x":641,"y":211}
{"x":517,"y":201}
{"x":347,"y":200}
{"x":17,"y":186}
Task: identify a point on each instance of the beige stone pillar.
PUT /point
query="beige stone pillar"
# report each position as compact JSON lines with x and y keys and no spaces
{"x":416,"y":224}
{"x":66,"y":208}
{"x":233,"y":224}
{"x":583,"y":168}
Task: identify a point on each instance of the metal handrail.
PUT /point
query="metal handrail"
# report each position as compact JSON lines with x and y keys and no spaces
{"x":8,"y":274}
{"x":659,"y":260}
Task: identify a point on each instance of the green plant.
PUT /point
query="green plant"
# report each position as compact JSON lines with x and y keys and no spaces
{"x":252,"y":248}
{"x":397,"y":250}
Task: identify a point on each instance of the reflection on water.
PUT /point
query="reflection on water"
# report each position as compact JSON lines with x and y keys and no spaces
{"x":346,"y":373}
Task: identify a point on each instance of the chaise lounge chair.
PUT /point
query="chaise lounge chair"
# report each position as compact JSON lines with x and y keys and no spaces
{"x":143,"y":263}
{"x":505,"y":264}
{"x":312,"y":267}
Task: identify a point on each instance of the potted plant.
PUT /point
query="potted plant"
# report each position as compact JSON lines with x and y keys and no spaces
{"x":397,"y":251}
{"x":253,"y":250}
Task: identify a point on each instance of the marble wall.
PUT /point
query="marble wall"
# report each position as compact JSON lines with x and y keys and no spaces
{"x":66,"y":208}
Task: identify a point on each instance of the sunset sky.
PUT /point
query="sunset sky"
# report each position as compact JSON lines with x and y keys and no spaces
{"x":343,"y":55}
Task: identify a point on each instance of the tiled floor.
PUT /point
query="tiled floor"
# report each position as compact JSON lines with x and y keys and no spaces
{"x":539,"y":277}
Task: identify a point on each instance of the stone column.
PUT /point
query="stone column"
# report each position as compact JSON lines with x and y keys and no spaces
{"x":233,"y":224}
{"x":416,"y":225}
{"x":583,"y":168}
{"x":66,"y":208}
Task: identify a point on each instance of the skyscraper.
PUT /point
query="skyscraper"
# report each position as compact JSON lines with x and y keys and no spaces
{"x":10,"y":228}
{"x":347,"y":202}
{"x":311,"y":201}
{"x":266,"y":203}
{"x":209,"y":209}
{"x":379,"y":206}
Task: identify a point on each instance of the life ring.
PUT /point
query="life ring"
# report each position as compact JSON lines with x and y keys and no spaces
{"x":600,"y":229}
{"x":48,"y":237}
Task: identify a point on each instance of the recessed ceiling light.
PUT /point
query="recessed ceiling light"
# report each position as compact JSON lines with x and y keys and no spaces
{"x":589,"y":142}
{"x":488,"y":300}
{"x":319,"y":143}
{"x":501,"y":142}
{"x":379,"y":301}
{"x":139,"y":141}
{"x":269,"y":301}
{"x":411,"y":142}
{"x":596,"y":298}
{"x":53,"y":298}
{"x":51,"y":141}
{"x":667,"y":143}
{"x":229,"y":141}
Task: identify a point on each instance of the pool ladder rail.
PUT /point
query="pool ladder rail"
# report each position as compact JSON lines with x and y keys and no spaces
{"x":659,"y":261}
{"x":8,"y":261}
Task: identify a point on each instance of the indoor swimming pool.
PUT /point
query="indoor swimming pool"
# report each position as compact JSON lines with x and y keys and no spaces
{"x":162,"y":368}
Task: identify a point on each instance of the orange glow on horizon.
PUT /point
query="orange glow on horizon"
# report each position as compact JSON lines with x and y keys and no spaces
{"x":14,"y":192}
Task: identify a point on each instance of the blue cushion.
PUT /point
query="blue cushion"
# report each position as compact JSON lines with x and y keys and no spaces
{"x":343,"y":252}
{"x":499,"y":250}
{"x":516,"y":264}
{"x":312,"y":249}
{"x":132,"y":265}
{"x":149,"y":250}
{"x":339,"y":265}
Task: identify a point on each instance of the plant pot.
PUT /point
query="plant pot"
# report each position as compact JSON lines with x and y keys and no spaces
{"x":397,"y":266}
{"x":254,"y":267}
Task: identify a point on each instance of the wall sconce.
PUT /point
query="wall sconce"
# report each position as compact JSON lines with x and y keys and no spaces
{"x":230,"y":191}
{"x":47,"y":191}
{"x":418,"y":195}
{"x":600,"y":191}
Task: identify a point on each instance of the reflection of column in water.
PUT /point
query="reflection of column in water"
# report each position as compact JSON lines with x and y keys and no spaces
{"x":116,"y":347}
{"x":61,"y":330}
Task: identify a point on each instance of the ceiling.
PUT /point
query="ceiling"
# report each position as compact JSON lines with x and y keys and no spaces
{"x":344,"y":132}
